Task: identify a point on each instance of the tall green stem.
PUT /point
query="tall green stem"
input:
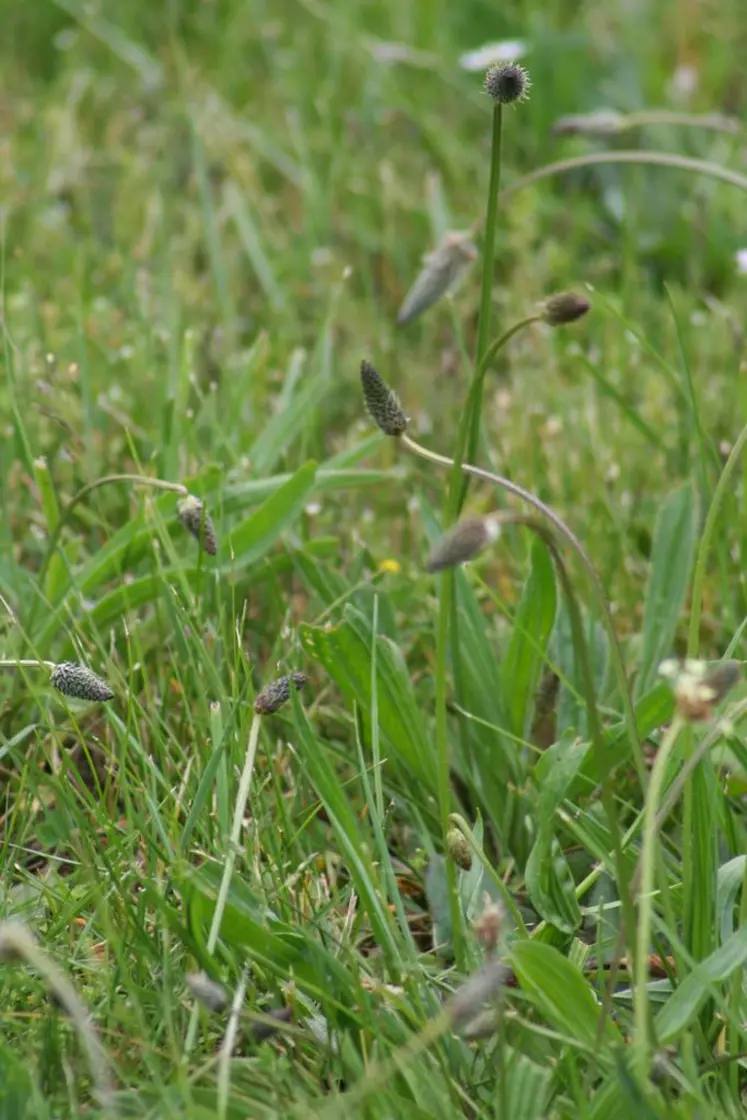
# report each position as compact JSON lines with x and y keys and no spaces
{"x":467,"y":435}
{"x":458,"y":491}
{"x":645,"y":903}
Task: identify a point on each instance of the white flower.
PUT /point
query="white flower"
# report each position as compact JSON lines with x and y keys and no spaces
{"x":505,"y":50}
{"x":740,"y":258}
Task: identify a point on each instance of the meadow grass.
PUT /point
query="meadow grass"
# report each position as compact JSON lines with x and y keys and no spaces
{"x":484,"y":863}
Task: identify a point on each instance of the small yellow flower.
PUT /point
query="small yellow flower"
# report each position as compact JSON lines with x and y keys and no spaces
{"x":390,"y":565}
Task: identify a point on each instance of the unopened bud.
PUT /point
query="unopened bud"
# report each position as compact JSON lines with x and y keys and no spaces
{"x":565,"y":307}
{"x":458,"y":849}
{"x":463,"y":542}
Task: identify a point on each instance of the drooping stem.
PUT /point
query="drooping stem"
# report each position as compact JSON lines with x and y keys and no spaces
{"x":645,"y":903}
{"x":567,"y":533}
{"x":105,"y":480}
{"x":655,"y":159}
{"x":242,"y":797}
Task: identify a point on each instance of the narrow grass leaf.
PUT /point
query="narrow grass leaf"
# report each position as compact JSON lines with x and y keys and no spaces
{"x":525,"y":656}
{"x":672,"y":557}
{"x":683,"y":1005}
{"x":255,"y":536}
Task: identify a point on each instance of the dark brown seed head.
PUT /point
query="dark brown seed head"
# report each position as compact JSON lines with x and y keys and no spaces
{"x":197,"y":521}
{"x":565,"y":307}
{"x":79,"y":683}
{"x":277,"y":693}
{"x":382,"y":403}
{"x":463,"y":542}
{"x":507,"y":83}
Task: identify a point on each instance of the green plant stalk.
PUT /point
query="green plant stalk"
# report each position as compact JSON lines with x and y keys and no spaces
{"x":27,"y":663}
{"x":469,"y":428}
{"x":233,"y":846}
{"x":645,"y":902}
{"x":467,"y":439}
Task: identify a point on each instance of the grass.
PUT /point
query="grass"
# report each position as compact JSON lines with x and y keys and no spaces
{"x":211,"y":213}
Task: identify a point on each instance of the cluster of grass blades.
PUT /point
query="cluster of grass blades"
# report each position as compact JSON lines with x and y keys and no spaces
{"x":322,"y":836}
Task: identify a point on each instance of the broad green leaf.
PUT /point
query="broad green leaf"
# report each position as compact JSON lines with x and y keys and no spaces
{"x":252,"y":538}
{"x":56,"y":577}
{"x":683,"y":1005}
{"x":532,"y":626}
{"x":548,"y":877}
{"x":672,"y":555}
{"x":730,"y":880}
{"x":526,"y":1089}
{"x":344,"y":651}
{"x":550,"y":885}
{"x":560,"y":992}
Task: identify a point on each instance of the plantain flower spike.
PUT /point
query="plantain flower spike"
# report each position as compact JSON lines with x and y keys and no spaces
{"x":277,"y":693}
{"x":197,"y":521}
{"x":381,"y":402}
{"x":463,"y":542}
{"x":79,"y":682}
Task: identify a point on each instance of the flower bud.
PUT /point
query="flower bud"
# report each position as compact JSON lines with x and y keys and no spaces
{"x":463,"y":542}
{"x":565,"y":307}
{"x":458,"y":849}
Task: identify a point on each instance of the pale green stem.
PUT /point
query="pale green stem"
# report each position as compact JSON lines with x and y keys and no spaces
{"x":17,"y":941}
{"x":28,"y":663}
{"x":233,"y":846}
{"x":645,"y":900}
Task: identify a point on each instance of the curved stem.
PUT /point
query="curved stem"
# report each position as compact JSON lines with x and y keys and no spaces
{"x":655,"y":159}
{"x":500,"y":342}
{"x":575,"y":543}
{"x":705,"y":542}
{"x":645,"y":901}
{"x":105,"y":480}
